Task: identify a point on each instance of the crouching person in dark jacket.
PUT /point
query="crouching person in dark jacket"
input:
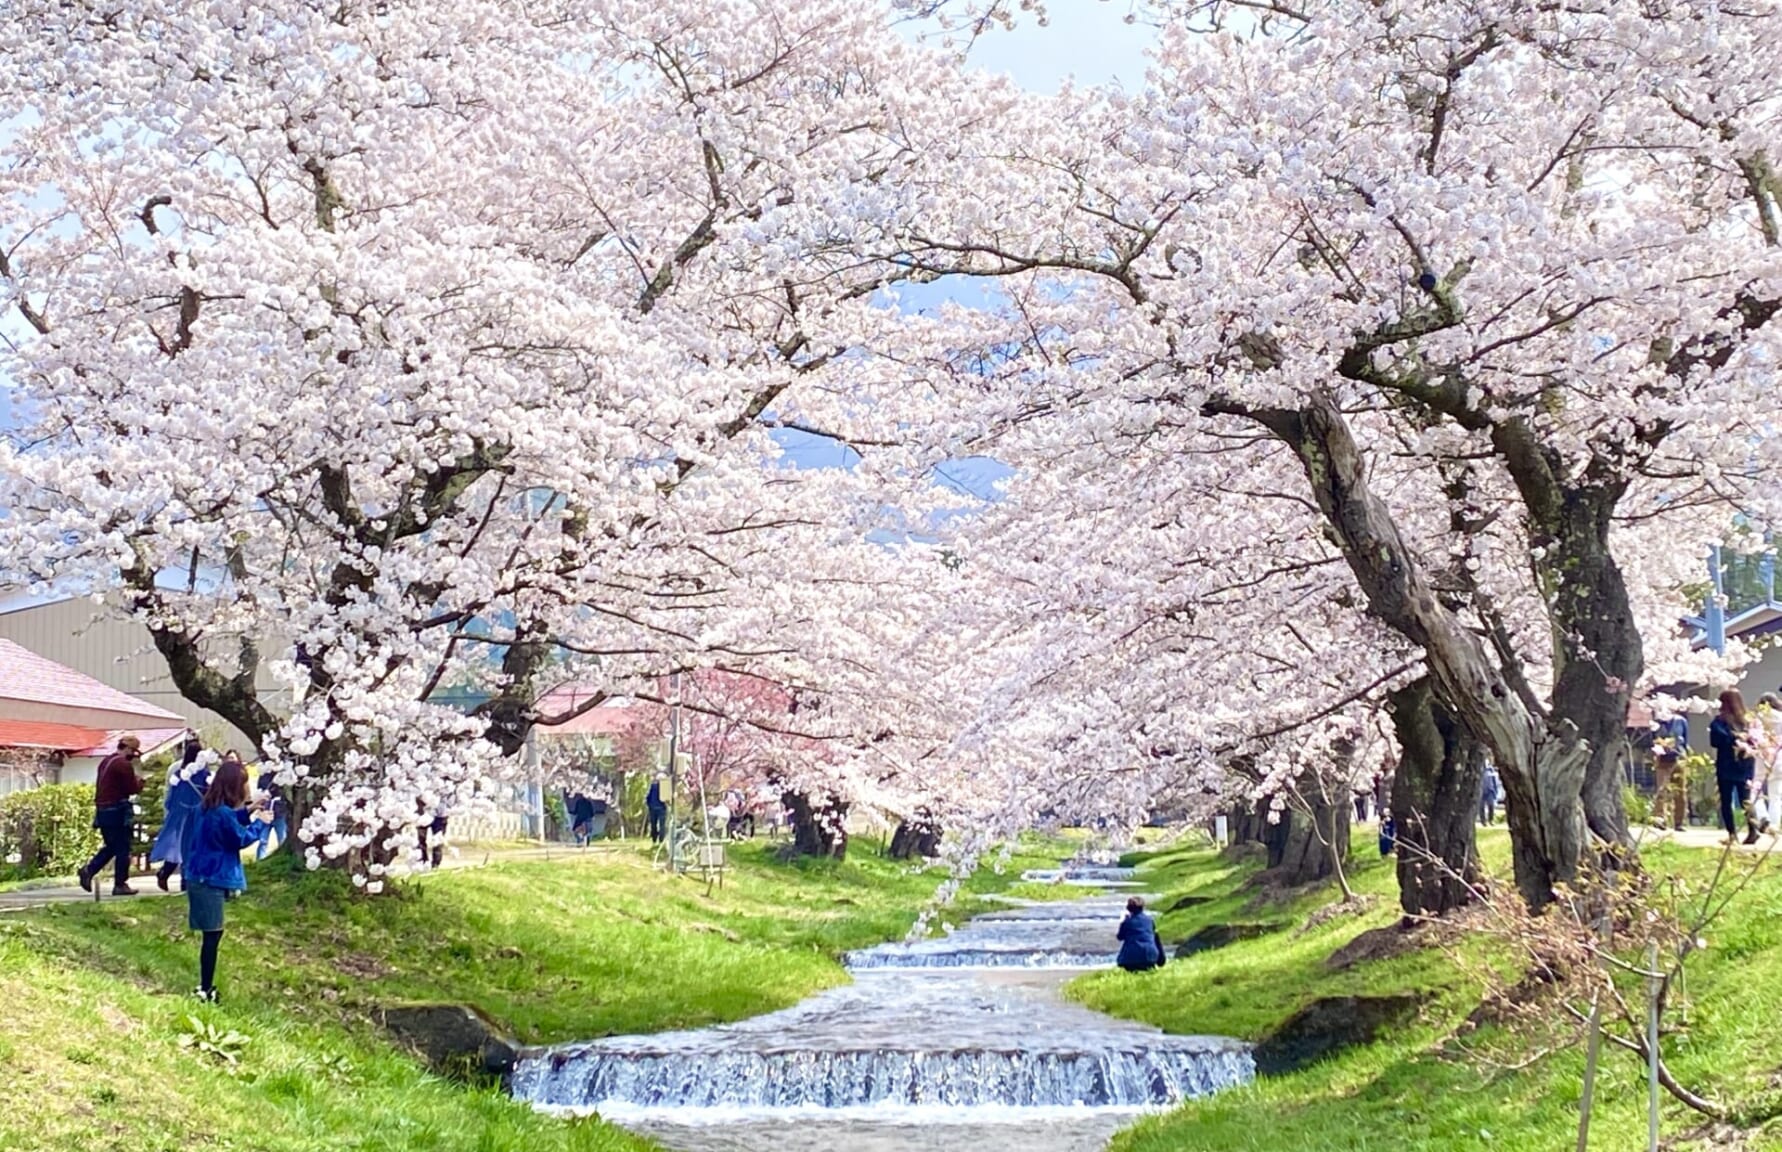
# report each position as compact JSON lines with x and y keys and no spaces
{"x":1139,"y":948}
{"x":212,"y":869}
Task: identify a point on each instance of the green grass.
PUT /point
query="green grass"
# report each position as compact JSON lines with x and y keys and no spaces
{"x":1428,"y":1087}
{"x":92,"y":1004}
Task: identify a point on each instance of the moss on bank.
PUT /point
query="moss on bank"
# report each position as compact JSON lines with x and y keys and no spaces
{"x":1423,"y":1089}
{"x":94,"y":1005}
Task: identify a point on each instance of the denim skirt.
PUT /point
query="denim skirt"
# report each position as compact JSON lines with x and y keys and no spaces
{"x":204,"y":908}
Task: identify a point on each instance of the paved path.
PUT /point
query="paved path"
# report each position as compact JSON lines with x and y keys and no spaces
{"x":1710,"y":838}
{"x":64,"y":890}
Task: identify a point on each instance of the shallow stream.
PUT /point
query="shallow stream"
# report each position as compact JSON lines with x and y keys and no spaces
{"x":957,"y":1043}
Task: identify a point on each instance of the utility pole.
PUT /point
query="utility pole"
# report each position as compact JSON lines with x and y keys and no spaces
{"x":674,"y":750}
{"x":1715,"y":615}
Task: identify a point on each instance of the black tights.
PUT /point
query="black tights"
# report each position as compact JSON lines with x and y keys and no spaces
{"x":1731,"y":789}
{"x":207,"y":960}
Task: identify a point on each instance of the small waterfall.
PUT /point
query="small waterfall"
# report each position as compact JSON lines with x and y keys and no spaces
{"x":961,"y":1041}
{"x":1086,"y":876}
{"x":1165,"y":1071}
{"x":873,"y":958}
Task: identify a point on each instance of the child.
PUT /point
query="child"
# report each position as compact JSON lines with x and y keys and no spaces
{"x":212,"y":869}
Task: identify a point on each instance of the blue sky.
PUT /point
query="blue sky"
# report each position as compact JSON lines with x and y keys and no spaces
{"x":1085,"y":41}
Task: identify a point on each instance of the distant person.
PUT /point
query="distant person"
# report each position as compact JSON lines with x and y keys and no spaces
{"x":581,"y":818}
{"x":1139,"y":949}
{"x":277,"y":810}
{"x":1388,"y":834}
{"x":114,"y":814}
{"x":1735,"y":763}
{"x":741,"y":815}
{"x":212,"y":871}
{"x":186,"y":782}
{"x":1671,"y":781}
{"x":432,"y":835}
{"x":1769,"y":722}
{"x":657,"y":811}
{"x":1491,"y":791}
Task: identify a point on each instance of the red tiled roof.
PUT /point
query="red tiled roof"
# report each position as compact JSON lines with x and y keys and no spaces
{"x":56,"y":737}
{"x":153,"y":740}
{"x":33,"y":679}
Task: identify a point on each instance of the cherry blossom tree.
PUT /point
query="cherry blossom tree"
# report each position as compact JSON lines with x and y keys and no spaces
{"x":1490,"y":289}
{"x":393,"y":345}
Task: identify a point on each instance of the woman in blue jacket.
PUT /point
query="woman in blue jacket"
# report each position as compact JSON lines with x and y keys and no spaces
{"x":223,"y":827}
{"x":186,"y":782}
{"x":1735,"y":763}
{"x":1139,"y":949}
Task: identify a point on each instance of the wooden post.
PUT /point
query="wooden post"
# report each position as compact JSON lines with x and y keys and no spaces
{"x":1591,"y":1052}
{"x":1652,"y":1049}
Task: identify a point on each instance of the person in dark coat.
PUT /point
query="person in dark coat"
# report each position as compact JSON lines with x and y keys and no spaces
{"x":1735,"y":763}
{"x":581,"y":817}
{"x":1491,"y":790}
{"x":1139,"y":949}
{"x":186,"y":782}
{"x":657,"y":809}
{"x":113,"y":815}
{"x":212,"y":870}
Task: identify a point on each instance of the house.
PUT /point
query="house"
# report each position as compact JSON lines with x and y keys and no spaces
{"x":120,"y":654}
{"x":56,"y":723}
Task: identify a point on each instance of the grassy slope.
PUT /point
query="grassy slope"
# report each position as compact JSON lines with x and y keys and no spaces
{"x":91,"y":1004}
{"x":1417,"y":1090}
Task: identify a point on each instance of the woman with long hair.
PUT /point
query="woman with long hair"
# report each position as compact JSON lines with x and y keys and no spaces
{"x":213,"y":872}
{"x":1735,"y":763}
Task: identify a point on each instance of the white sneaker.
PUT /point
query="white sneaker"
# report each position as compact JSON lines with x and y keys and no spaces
{"x":205,"y":997}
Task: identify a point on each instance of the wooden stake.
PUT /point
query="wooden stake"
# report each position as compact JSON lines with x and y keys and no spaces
{"x":1652,"y":1049}
{"x":1591,"y":1052}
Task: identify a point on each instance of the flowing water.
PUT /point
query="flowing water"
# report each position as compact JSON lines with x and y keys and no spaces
{"x":953,"y":1043}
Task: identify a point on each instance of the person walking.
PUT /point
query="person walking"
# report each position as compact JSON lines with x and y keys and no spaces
{"x":432,"y":834}
{"x":1671,"y":782}
{"x":1735,"y":763}
{"x":212,"y":871}
{"x":1139,"y":949}
{"x":113,"y":814}
{"x":657,"y":809}
{"x":1491,"y":790}
{"x":186,"y":782}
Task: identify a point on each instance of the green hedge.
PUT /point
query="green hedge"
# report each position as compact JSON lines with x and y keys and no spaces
{"x":49,"y":830}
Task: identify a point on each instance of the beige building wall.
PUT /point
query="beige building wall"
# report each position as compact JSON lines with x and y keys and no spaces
{"x":121,"y":654}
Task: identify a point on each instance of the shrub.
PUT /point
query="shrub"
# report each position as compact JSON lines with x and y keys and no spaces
{"x":48,"y":829}
{"x":1638,"y":804}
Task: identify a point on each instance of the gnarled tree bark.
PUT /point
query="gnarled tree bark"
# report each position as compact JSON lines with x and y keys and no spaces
{"x":1435,"y":802}
{"x":1542,"y":759}
{"x":819,"y":829}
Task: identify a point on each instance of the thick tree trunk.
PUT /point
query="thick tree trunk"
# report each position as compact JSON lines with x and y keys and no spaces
{"x":1542,"y":760}
{"x":1248,"y":824}
{"x":1435,"y":802}
{"x":1311,"y":838}
{"x":1598,"y":654}
{"x":817,"y":830}
{"x":917,"y":836}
